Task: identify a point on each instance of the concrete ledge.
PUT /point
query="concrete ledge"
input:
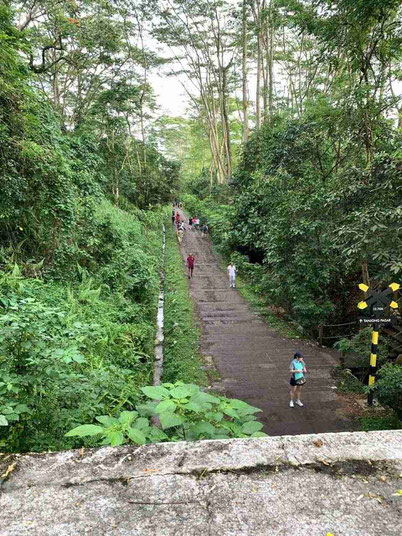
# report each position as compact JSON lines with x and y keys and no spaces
{"x":298,"y":485}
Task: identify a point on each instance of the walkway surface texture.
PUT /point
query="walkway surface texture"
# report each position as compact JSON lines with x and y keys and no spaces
{"x":252,"y":359}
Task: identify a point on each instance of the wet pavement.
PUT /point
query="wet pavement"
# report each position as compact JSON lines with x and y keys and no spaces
{"x":252,"y":359}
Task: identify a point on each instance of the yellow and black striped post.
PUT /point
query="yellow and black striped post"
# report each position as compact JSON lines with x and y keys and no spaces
{"x":381,"y":302}
{"x":373,"y":364}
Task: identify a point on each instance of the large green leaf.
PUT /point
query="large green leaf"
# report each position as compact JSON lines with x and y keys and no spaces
{"x":182,"y":391}
{"x":107,"y":420}
{"x":204,"y":428}
{"x":251,"y":427}
{"x":127,"y":417}
{"x":136,"y":436}
{"x":196,"y":406}
{"x":3,"y":421}
{"x":259,"y":434}
{"x":116,"y":438}
{"x":169,"y":420}
{"x":156,"y":392}
{"x":85,"y":430}
{"x":156,"y":434}
{"x":141,"y":424}
{"x":165,"y":405}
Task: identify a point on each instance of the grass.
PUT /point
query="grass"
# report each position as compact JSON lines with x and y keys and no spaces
{"x":347,"y":382}
{"x":381,"y":422}
{"x":182,"y":359}
{"x":369,"y":419}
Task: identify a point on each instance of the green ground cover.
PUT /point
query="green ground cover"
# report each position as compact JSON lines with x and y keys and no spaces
{"x":71,"y":349}
{"x":182,"y":359}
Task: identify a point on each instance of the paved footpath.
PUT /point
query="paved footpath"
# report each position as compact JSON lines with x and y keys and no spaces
{"x":252,"y":359}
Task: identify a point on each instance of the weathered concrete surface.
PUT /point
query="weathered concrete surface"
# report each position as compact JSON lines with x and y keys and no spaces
{"x":304,"y":485}
{"x":253,"y":360}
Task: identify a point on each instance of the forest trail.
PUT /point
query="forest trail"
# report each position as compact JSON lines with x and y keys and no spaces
{"x":252,"y":359}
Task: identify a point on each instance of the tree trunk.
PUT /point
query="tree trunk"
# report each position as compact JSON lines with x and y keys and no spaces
{"x":257,"y":19}
{"x":270,"y":66}
{"x":246,"y":131}
{"x":225,"y":124}
{"x":365,"y":273}
{"x":259,"y":72}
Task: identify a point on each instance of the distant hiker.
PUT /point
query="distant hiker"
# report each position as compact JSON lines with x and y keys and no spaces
{"x":180,"y":232}
{"x":297,"y":379}
{"x":196,"y":223}
{"x":178,"y":218}
{"x":190,"y":222}
{"x":204,"y":230}
{"x":190,"y":265}
{"x":173,"y":216}
{"x":232,"y":275}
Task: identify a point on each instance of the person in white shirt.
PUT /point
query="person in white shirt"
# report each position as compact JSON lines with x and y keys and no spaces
{"x":232,"y":275}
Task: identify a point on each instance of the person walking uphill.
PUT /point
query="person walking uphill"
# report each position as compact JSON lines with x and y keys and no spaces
{"x":190,"y":265}
{"x":297,"y":379}
{"x":232,"y":275}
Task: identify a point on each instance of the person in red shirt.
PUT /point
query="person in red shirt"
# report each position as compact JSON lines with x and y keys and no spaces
{"x":178,"y":218}
{"x":190,"y":265}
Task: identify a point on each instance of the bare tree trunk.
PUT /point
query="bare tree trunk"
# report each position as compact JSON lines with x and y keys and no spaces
{"x":225,"y":123}
{"x":257,"y":19}
{"x":246,"y":131}
{"x":258,"y":85}
{"x":55,"y":84}
{"x":270,"y":64}
{"x":365,"y":273}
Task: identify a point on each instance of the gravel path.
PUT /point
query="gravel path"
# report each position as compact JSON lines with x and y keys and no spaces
{"x":252,"y":359}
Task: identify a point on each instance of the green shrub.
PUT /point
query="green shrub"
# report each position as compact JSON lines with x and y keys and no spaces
{"x":388,"y":387}
{"x":185,"y":413}
{"x":357,"y":350}
{"x":72,"y":348}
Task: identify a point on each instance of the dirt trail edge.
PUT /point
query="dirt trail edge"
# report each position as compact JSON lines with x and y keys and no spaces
{"x":252,"y":359}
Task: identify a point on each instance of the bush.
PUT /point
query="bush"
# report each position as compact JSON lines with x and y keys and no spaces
{"x":388,"y":387}
{"x":357,"y":350}
{"x":185,"y":413}
{"x":82,"y":344}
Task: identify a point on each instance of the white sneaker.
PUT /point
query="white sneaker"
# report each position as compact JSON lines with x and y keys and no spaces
{"x":299,"y":403}
{"x":291,"y":404}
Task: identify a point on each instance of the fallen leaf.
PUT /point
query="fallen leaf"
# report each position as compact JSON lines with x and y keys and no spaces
{"x":318,"y":443}
{"x":9,"y":470}
{"x":151,"y":470}
{"x":398,"y":493}
{"x":383,"y":478}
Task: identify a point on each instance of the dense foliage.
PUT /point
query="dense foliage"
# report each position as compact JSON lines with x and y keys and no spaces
{"x":389,"y":387}
{"x":73,"y":350}
{"x":314,"y":203}
{"x":185,"y":413}
{"x":79,"y":258}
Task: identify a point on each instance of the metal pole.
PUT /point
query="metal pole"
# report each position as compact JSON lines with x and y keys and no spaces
{"x":373,"y":364}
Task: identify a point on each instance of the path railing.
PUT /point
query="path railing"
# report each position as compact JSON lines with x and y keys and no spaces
{"x":323,"y":329}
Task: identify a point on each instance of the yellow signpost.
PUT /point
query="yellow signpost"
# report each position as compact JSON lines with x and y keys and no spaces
{"x":377,"y":305}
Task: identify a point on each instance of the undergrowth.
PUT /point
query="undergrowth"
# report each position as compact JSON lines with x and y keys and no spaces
{"x":73,"y":349}
{"x":182,"y":360}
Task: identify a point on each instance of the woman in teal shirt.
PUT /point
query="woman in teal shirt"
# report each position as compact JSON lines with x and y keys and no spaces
{"x":297,"y":370}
